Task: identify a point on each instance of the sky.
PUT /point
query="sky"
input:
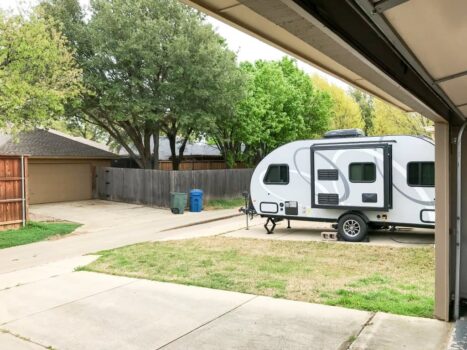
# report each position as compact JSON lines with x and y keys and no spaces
{"x":247,"y":47}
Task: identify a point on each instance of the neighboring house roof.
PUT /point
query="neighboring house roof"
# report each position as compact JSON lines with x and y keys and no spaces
{"x":4,"y":139}
{"x":51,"y":143}
{"x":192,"y":149}
{"x":200,"y":148}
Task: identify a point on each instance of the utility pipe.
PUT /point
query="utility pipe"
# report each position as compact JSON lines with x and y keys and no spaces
{"x":458,"y":221}
{"x":23,"y":193}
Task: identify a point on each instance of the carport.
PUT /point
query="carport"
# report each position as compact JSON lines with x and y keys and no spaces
{"x":411,"y":53}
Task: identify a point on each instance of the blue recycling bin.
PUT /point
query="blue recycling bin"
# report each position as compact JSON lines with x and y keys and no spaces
{"x":196,"y":200}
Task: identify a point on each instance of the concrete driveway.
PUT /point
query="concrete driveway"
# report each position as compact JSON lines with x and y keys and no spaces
{"x":311,"y":231}
{"x":108,"y":225}
{"x":43,"y":302}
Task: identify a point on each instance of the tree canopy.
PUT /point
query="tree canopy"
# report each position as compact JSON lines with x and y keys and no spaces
{"x":129,"y":70}
{"x":38,"y":74}
{"x":345,"y":112}
{"x":390,"y":120}
{"x":281,"y":105}
{"x":149,"y":65}
{"x":366,"y":104}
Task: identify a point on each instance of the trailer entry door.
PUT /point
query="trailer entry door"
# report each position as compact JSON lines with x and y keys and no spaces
{"x":351,"y":176}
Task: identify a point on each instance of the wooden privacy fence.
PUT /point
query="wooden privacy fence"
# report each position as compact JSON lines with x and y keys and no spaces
{"x":13,"y":191}
{"x":197,"y":165}
{"x":153,"y":187}
{"x":193,"y":165}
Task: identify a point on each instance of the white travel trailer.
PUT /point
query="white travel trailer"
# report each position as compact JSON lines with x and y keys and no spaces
{"x":352,"y":180}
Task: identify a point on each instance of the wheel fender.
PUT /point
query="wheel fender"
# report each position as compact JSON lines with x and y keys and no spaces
{"x":355,"y":212}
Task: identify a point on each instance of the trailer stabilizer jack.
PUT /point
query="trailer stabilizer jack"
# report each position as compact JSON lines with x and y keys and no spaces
{"x":266,"y":225}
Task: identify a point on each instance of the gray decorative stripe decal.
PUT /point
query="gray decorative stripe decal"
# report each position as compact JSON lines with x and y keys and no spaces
{"x":415,"y":200}
{"x":346,"y":184}
{"x":334,"y":166}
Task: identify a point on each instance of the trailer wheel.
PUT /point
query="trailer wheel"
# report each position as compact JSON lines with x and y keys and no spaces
{"x":352,"y":228}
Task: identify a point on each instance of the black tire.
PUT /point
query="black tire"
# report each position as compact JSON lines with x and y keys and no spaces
{"x":352,"y":228}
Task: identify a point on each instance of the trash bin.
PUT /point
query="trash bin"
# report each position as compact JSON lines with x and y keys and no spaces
{"x":177,"y":202}
{"x":196,"y":200}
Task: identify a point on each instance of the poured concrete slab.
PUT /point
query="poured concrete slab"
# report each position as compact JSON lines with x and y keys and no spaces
{"x":267,"y":323}
{"x":10,"y":342}
{"x":22,"y":301}
{"x":394,"y":332}
{"x":140,"y":315}
{"x":85,"y":310}
{"x":34,"y":274}
{"x":108,"y":225}
{"x":311,"y":231}
{"x":459,"y":335}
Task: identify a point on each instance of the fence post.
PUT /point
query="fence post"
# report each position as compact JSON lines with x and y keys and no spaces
{"x":172,"y":181}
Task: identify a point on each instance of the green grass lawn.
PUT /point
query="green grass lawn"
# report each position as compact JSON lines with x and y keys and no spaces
{"x":395,"y":280}
{"x":225,"y":203}
{"x":35,"y":231}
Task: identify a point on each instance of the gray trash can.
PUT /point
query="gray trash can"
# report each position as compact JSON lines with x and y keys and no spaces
{"x":178,"y":202}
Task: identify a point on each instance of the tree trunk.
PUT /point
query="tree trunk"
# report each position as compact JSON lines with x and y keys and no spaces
{"x":181,"y":150}
{"x":175,"y":163}
{"x":173,"y":150}
{"x":145,"y":155}
{"x":155,"y":150}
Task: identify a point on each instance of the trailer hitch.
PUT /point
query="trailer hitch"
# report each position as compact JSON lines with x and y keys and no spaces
{"x":248,"y":209}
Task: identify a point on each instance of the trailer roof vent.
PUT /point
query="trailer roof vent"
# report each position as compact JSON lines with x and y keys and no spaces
{"x":334,"y":134}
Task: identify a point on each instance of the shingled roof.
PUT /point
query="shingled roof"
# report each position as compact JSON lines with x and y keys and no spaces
{"x":49,"y":143}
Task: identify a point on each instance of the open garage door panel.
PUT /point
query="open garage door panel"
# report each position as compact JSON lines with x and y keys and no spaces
{"x":59,"y":182}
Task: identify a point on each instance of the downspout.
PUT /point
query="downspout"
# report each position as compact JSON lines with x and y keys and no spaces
{"x":458,"y":221}
{"x":23,"y":193}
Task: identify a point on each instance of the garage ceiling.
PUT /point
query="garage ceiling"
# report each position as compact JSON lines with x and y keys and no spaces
{"x":411,"y":53}
{"x":436,"y":33}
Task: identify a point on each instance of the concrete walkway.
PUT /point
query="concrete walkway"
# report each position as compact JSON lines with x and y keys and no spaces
{"x":85,"y":310}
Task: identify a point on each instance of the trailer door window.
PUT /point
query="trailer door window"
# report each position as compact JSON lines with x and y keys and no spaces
{"x":421,"y":174}
{"x":362,"y":172}
{"x":277,"y":174}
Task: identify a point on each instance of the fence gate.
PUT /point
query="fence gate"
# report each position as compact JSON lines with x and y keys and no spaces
{"x":13,"y":191}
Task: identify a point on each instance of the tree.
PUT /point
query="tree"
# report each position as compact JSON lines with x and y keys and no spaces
{"x":367,"y":108}
{"x":390,"y":120}
{"x":345,"y":111}
{"x":149,"y":66}
{"x":78,"y":127}
{"x":281,"y":105}
{"x":38,"y":74}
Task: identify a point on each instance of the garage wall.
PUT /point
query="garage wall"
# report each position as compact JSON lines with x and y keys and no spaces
{"x":62,"y":180}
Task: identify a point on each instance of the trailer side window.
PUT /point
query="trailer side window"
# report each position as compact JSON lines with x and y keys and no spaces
{"x":277,"y":174}
{"x":421,"y":174}
{"x":362,"y":172}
